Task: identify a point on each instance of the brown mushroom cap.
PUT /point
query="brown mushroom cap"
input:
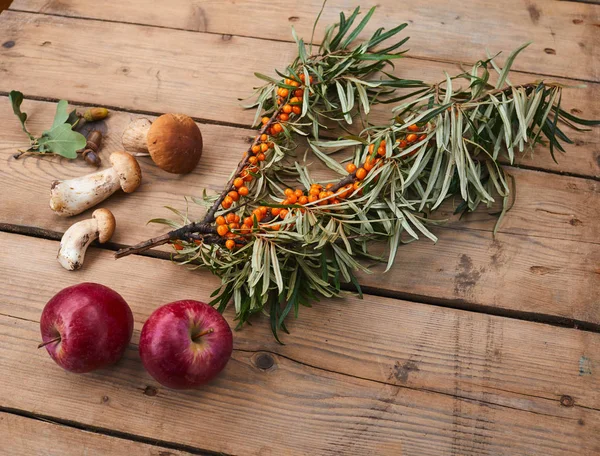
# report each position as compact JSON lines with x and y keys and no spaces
{"x":106,"y":224}
{"x":175,"y":143}
{"x":128,"y":169}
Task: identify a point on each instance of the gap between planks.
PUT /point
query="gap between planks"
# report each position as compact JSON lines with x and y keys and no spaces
{"x":459,"y":304}
{"x":279,"y":40}
{"x":111,"y":433}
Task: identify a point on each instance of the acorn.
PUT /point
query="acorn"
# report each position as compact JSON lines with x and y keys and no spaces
{"x":93,"y":114}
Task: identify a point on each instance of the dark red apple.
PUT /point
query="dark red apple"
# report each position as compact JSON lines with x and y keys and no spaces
{"x":86,"y":327}
{"x":185,"y":344}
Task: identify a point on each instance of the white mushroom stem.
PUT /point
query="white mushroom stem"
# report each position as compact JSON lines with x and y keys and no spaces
{"x":80,"y":235}
{"x":73,"y":196}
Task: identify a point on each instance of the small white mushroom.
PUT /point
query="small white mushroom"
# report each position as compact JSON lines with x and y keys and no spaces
{"x":73,"y":196}
{"x":80,"y":235}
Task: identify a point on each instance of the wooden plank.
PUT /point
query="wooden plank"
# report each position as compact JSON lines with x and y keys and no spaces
{"x":202,"y":75}
{"x":546,"y":246}
{"x":563,"y":33}
{"x":20,"y":435}
{"x":373,"y":376}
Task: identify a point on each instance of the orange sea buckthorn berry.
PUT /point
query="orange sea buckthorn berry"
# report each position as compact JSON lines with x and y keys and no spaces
{"x":275,"y":211}
{"x":302,"y":77}
{"x":297,"y":110}
{"x":295,"y":83}
{"x":265,"y":120}
{"x":285,"y":202}
{"x":253,"y":160}
{"x":221,"y":220}
{"x":243,"y":191}
{"x":295,"y":100}
{"x":368,"y":164}
{"x":403,"y":143}
{"x":287,"y":108}
{"x":234,"y":226}
{"x":328,"y":186}
{"x":238,"y":182}
{"x":284,"y":92}
{"x":329,"y":194}
{"x":263,"y":210}
{"x":230,"y":244}
{"x":283,"y":214}
{"x":411,"y":138}
{"x":311,"y":79}
{"x":298,"y":192}
{"x":276,"y":227}
{"x":277,"y":128}
{"x":222,"y":230}
{"x":227,"y":202}
{"x":287,"y":81}
{"x":292,"y":199}
{"x":350,"y":167}
{"x":361,"y":173}
{"x":422,"y":137}
{"x":312,"y":198}
{"x":299,"y":93}
{"x":264,"y":147}
{"x":230,"y":217}
{"x":371,"y":148}
{"x":236,"y":218}
{"x":246,"y":229}
{"x":302,"y":200}
{"x":177,"y":246}
{"x":322,"y":195}
{"x":255,"y":149}
{"x":335,"y":201}
{"x":314,"y":191}
{"x":288,"y":192}
{"x":261,"y":157}
{"x":413,"y":127}
{"x":234,"y":195}
{"x":381,"y":151}
{"x":284,"y":117}
{"x":258,"y":214}
{"x":263,"y":137}
{"x":249,"y":221}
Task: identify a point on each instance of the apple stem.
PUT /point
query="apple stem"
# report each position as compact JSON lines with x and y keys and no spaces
{"x":203,"y":333}
{"x":48,"y":342}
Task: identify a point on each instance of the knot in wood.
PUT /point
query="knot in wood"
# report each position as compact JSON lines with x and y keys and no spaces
{"x":264,"y":361}
{"x":567,"y":401}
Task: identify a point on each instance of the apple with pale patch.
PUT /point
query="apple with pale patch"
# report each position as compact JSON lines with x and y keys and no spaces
{"x":185,"y":344}
{"x":86,"y":327}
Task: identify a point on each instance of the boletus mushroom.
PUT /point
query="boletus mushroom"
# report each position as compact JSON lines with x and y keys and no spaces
{"x":73,"y":196}
{"x":173,"y":141}
{"x":80,"y":235}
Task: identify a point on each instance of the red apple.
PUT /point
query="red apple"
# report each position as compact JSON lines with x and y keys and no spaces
{"x":86,"y":327}
{"x":185,"y":344}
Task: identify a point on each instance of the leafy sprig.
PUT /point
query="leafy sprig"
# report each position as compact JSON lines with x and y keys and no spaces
{"x":59,"y":139}
{"x":463,"y":132}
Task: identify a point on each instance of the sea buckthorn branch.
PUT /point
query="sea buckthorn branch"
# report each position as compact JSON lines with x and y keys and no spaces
{"x":287,"y":248}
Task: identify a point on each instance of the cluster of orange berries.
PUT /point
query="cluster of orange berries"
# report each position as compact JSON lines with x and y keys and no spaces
{"x":411,"y":137}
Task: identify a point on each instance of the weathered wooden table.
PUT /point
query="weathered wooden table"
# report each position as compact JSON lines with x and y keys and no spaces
{"x":472,"y":346}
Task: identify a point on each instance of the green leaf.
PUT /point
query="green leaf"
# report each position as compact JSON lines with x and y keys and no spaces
{"x":358,"y":29}
{"x":62,"y":115}
{"x":508,"y":64}
{"x":16,"y":98}
{"x":380,"y":57}
{"x":61,"y":140}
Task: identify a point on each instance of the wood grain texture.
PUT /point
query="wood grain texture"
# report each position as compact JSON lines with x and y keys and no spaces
{"x":25,"y":436}
{"x":383,"y":376}
{"x":203,"y":75}
{"x":563,"y":33}
{"x":546,"y":246}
